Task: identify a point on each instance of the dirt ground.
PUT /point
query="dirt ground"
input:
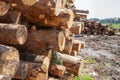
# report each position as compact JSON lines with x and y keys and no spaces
{"x":102,"y":57}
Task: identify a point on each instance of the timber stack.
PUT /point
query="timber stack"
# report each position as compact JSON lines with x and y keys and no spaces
{"x":40,"y":36}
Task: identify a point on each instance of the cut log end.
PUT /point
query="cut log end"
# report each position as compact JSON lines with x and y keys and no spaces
{"x":29,"y":2}
{"x":22,"y":35}
{"x":4,"y":7}
{"x":61,"y":41}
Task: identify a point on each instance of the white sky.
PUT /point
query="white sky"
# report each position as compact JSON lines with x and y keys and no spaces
{"x":100,"y":8}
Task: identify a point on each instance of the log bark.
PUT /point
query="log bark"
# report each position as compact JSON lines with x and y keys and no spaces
{"x":33,"y":70}
{"x":76,"y":28}
{"x":74,"y":53}
{"x":57,"y":70}
{"x":42,"y":40}
{"x":9,"y":62}
{"x":4,"y":7}
{"x":81,"y":11}
{"x":13,"y":34}
{"x":68,"y":47}
{"x":11,"y":16}
{"x":76,"y":45}
{"x":38,"y":15}
{"x":73,"y":65}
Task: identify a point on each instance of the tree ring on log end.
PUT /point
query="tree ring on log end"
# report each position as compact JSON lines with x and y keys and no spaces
{"x":22,"y":34}
{"x":61,"y":41}
{"x":29,"y":2}
{"x":4,"y":7}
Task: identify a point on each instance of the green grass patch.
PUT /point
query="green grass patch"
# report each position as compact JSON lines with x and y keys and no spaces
{"x":115,"y":26}
{"x":90,"y":60}
{"x":83,"y":77}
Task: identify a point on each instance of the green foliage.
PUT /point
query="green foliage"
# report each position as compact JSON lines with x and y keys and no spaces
{"x":56,"y":59}
{"x":89,"y":60}
{"x":83,"y":77}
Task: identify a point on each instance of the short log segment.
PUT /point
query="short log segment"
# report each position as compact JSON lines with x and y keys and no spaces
{"x":42,"y":40}
{"x":57,"y":70}
{"x":73,"y":65}
{"x":13,"y":34}
{"x":33,"y":70}
{"x":76,"y":28}
{"x":9,"y":62}
{"x":68,"y":47}
{"x":4,"y":7}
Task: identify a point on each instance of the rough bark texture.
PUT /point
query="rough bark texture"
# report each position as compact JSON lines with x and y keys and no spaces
{"x":13,"y":34}
{"x":33,"y":70}
{"x":76,"y":28}
{"x":4,"y":7}
{"x":9,"y":62}
{"x":42,"y":13}
{"x":42,"y":40}
{"x":68,"y":47}
{"x":73,"y":65}
{"x":12,"y":16}
{"x":57,"y":70}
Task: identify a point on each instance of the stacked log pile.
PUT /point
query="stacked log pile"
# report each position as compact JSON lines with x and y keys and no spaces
{"x":96,"y":28}
{"x":42,"y":31}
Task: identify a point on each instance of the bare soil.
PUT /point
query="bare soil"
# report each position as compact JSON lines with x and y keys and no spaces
{"x":105,"y":52}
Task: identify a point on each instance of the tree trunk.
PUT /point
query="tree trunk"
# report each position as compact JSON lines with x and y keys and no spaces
{"x":9,"y":62}
{"x":13,"y":34}
{"x":42,"y":40}
{"x":57,"y":70}
{"x":4,"y":7}
{"x":73,"y":65}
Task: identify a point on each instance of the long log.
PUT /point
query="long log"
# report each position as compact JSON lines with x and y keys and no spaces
{"x":57,"y":70}
{"x":4,"y":7}
{"x":42,"y":40}
{"x":73,"y":65}
{"x":9,"y":62}
{"x":13,"y":34}
{"x":68,"y":47}
{"x":81,"y":11}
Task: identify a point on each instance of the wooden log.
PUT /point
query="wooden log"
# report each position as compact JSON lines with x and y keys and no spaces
{"x":12,"y":16}
{"x":4,"y":7}
{"x":73,"y":65}
{"x":76,"y":28}
{"x":33,"y":70}
{"x":68,"y":47}
{"x":74,"y":53}
{"x":76,"y":45}
{"x":82,"y":16}
{"x":9,"y":62}
{"x":39,"y":5}
{"x":82,"y":45}
{"x":13,"y":34}
{"x":81,"y":11}
{"x":42,"y":40}
{"x":41,"y":16}
{"x":57,"y":70}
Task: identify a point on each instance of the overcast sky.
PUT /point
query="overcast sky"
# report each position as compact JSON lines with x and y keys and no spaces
{"x":100,"y":8}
